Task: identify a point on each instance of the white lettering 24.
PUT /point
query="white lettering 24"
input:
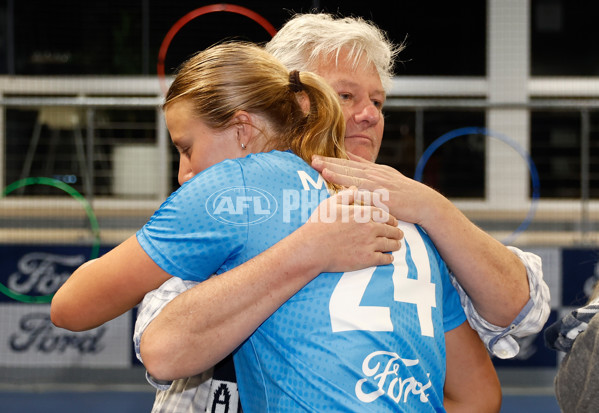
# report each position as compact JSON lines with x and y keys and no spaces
{"x":346,"y":312}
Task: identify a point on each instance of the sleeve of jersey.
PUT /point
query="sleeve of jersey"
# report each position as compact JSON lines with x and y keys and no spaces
{"x":453,"y":313}
{"x":192,"y":235}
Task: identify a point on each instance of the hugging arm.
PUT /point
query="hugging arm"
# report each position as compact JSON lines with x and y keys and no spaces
{"x":107,"y":287}
{"x":495,"y":279}
{"x":207,"y":322}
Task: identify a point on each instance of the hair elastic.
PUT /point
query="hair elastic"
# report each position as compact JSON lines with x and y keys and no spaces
{"x":295,"y":84}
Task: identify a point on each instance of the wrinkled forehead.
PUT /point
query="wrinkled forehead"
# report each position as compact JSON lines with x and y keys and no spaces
{"x":344,"y":68}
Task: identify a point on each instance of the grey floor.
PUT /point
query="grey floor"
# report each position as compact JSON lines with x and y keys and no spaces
{"x":525,"y":391}
{"x":141,"y":402}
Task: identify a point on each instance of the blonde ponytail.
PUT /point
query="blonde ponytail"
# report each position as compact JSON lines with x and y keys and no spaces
{"x":324,"y":127}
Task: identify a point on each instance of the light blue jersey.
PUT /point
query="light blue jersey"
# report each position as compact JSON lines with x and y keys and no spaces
{"x":370,"y":340}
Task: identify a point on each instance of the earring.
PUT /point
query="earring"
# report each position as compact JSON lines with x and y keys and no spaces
{"x":243,"y":146}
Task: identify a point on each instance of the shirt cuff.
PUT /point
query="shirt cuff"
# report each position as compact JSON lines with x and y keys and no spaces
{"x":502,"y":341}
{"x":150,"y":307}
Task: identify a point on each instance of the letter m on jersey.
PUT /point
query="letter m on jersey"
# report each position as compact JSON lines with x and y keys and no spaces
{"x":307,"y":181}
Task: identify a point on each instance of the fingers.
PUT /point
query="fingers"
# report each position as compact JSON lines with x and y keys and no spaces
{"x":378,"y":215}
{"x":383,"y":244}
{"x":390,"y":232}
{"x":348,"y":172}
{"x":341,"y":208}
{"x":380,"y":258}
{"x":393,"y":222}
{"x":358,"y":158}
{"x":376,"y":245}
{"x":346,"y":196}
{"x":354,"y":161}
{"x":375,"y":214}
{"x":339,"y":166}
{"x":370,"y":233}
{"x":377,"y":198}
{"x":344,"y":178}
{"x":370,"y":206}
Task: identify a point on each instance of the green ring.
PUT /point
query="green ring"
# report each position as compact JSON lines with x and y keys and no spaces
{"x":95,"y":228}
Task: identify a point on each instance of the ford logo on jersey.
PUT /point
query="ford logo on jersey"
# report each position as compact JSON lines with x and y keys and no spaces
{"x":241,"y":205}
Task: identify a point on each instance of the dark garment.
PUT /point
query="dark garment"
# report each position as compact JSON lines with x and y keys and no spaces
{"x":577,"y":380}
{"x":224,"y":372}
{"x":561,"y":335}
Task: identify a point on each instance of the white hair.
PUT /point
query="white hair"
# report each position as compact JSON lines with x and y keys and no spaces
{"x":307,"y":38}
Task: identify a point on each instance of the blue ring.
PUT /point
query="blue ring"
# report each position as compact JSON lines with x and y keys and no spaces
{"x":534,"y":175}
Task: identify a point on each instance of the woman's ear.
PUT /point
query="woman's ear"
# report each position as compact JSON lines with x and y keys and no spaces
{"x":244,"y":126}
{"x":252,"y":131}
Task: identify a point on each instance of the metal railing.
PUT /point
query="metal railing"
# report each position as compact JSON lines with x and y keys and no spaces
{"x":582,"y":215}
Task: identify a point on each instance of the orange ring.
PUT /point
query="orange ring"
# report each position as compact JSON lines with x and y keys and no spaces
{"x":212,"y":8}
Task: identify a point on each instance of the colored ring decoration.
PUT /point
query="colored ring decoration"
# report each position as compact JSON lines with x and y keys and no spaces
{"x":483,"y":131}
{"x":212,"y":8}
{"x":88,"y":210}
